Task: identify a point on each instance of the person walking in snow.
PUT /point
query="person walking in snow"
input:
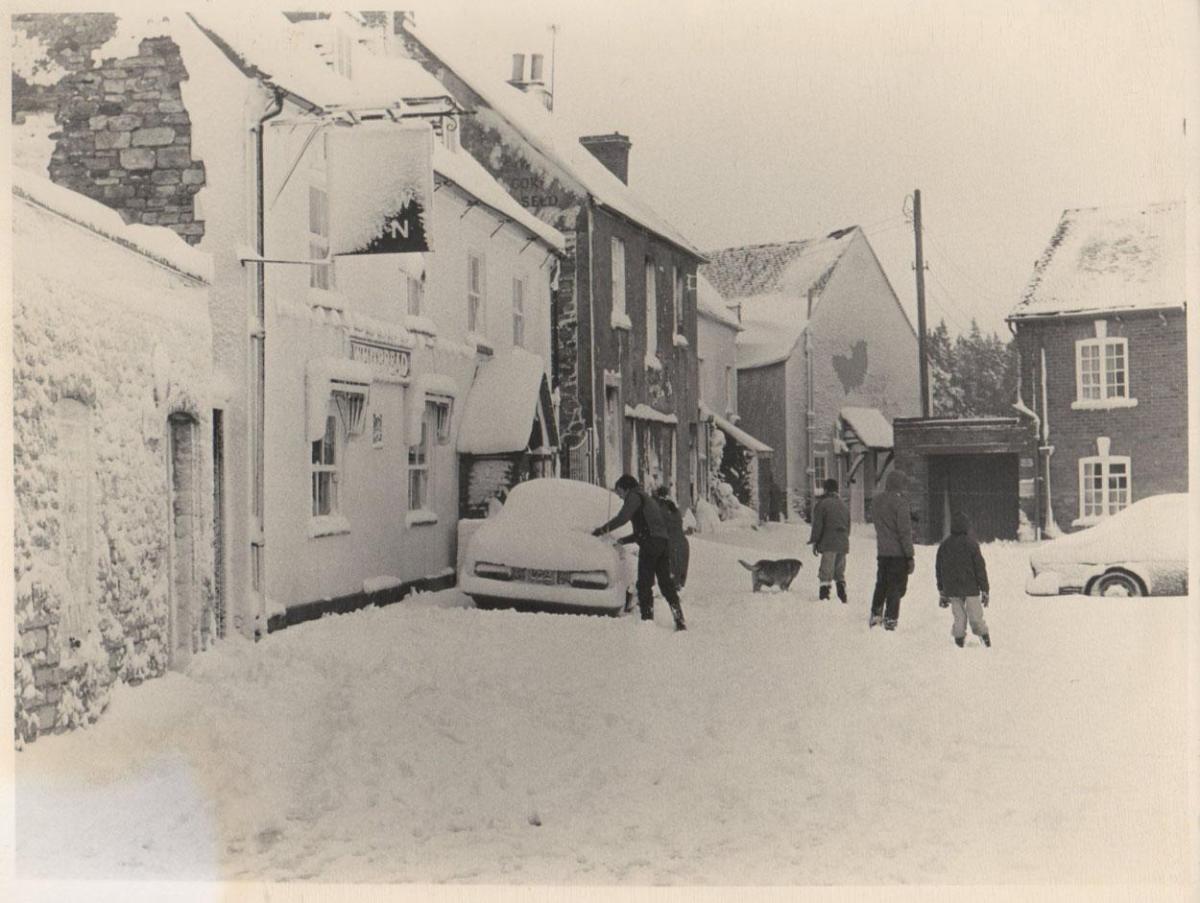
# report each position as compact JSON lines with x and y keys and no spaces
{"x":894,"y":549}
{"x":651,"y":533}
{"x":677,"y":543}
{"x":830,"y":538}
{"x":962,"y":580}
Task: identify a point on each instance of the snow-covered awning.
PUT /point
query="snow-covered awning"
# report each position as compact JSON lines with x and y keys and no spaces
{"x":738,"y":435}
{"x":867,"y":426}
{"x":645,"y":412}
{"x":503,"y":404}
{"x":327,"y":375}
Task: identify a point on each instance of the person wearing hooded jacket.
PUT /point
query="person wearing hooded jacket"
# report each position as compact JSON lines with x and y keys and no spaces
{"x":962,"y":580}
{"x":894,"y":549}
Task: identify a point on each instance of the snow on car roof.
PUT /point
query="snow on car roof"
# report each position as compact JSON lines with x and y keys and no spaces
{"x":1151,"y":529}
{"x":1110,"y":259}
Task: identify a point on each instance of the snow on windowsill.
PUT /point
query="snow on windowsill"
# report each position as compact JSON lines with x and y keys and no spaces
{"x":680,"y":341}
{"x":620,"y":320}
{"x":653,"y":363}
{"x":379,"y":584}
{"x":327,"y":525}
{"x":418,"y":323}
{"x":1103,"y":404}
{"x":420,"y":517}
{"x":478,"y":340}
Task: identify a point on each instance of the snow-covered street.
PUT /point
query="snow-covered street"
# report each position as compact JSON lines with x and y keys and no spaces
{"x":778,"y":741}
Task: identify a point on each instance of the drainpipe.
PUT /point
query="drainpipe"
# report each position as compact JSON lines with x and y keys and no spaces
{"x":591,"y":284}
{"x":1020,"y":407}
{"x":810,"y":413}
{"x":1051,"y":528}
{"x":258,"y":342}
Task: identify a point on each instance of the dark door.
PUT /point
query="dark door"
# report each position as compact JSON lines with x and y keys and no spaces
{"x":983,"y":486}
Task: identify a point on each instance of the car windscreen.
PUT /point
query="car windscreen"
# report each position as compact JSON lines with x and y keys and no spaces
{"x":561,"y":504}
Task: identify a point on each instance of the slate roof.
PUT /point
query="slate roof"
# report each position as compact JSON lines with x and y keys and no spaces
{"x":1110,"y":259}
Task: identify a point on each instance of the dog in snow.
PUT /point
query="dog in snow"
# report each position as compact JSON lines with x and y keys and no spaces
{"x":778,"y":572}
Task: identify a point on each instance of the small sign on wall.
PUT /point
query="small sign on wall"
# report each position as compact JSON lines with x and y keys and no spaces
{"x":376,"y":431}
{"x":1026,"y":489}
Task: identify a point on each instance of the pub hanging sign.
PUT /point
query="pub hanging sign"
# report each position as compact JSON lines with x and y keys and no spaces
{"x":380,"y":188}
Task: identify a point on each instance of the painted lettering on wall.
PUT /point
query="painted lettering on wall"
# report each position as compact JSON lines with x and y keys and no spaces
{"x":387,"y":362}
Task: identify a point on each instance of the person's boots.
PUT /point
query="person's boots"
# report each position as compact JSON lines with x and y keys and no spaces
{"x":987,"y":640}
{"x":841,"y":591}
{"x":889,"y":624}
{"x":824,"y":594}
{"x":875,"y":619}
{"x":959,"y":640}
{"x":677,"y":611}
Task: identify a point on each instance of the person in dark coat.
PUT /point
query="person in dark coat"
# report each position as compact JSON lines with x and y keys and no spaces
{"x":652,"y":536}
{"x":830,"y":538}
{"x":962,"y":580}
{"x":894,"y":549}
{"x":680,"y":550}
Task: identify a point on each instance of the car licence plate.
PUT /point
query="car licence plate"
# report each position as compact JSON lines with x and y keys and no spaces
{"x":539,"y":576}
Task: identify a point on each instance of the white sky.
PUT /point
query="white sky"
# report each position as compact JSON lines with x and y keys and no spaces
{"x":768,"y":120}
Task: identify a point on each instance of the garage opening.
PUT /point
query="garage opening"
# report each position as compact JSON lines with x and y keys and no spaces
{"x":982,"y":486}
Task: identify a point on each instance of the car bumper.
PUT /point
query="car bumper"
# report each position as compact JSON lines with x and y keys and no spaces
{"x":564,"y":598}
{"x":1056,"y":580}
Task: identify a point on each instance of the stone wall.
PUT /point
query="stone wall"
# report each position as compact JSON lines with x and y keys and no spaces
{"x":124,"y":137}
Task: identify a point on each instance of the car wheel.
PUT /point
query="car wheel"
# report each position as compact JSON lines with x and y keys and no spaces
{"x":1118,"y":584}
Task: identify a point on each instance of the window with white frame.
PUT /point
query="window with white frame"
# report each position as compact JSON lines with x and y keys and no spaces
{"x":325,"y":467}
{"x":677,"y":298}
{"x":1104,"y":486}
{"x":1102,"y":369}
{"x":820,"y":472}
{"x":651,"y":311}
{"x":416,"y":296}
{"x":475,"y":293}
{"x":618,"y":277}
{"x":419,"y":464}
{"x":441,"y":408}
{"x":519,"y":312}
{"x":321,"y":275}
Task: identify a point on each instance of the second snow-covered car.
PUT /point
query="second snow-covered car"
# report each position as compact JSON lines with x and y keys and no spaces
{"x":1140,"y":551}
{"x":538,"y":551}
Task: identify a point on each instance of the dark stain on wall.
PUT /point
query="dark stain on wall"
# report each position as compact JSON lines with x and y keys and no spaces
{"x":852,"y":370}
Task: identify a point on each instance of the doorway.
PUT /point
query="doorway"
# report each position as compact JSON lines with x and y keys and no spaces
{"x":613,"y":418}
{"x":984,"y":487}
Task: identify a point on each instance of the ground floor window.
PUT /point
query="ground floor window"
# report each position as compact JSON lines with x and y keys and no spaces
{"x":820,"y":472}
{"x":325,"y":466}
{"x":1104,"y":486}
{"x":419,"y":460}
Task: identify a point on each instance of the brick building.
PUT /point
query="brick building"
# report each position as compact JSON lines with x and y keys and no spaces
{"x":1102,"y":336}
{"x":625,"y":306}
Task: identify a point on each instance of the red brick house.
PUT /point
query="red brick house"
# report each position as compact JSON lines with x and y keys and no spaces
{"x":624,"y":352}
{"x":1102,"y":336}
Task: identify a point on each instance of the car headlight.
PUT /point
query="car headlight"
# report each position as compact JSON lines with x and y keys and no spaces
{"x":492,"y":570}
{"x":590,"y":579}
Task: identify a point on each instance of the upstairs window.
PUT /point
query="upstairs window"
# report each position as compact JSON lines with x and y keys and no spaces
{"x":1102,"y":372}
{"x":617,"y":253}
{"x":677,"y":296}
{"x":321,"y":275}
{"x":416,"y":296}
{"x":475,"y":296}
{"x":651,"y":312}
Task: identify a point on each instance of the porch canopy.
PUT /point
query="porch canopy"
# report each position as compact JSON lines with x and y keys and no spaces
{"x":738,"y":435}
{"x":509,"y":396}
{"x":866,"y":426}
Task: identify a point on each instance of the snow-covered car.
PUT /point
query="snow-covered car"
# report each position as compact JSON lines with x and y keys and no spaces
{"x":538,"y":551}
{"x":1140,"y":551}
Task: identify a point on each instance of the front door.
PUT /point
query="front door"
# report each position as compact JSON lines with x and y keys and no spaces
{"x":614,"y":416}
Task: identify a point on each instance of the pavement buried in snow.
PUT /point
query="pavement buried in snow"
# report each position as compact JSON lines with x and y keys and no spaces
{"x":777,"y":741}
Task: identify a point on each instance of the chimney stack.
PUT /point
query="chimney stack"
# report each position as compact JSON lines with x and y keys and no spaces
{"x":611,"y":150}
{"x":533,"y":84}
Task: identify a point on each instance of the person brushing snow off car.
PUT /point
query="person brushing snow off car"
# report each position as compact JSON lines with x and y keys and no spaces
{"x":962,"y":580}
{"x":651,"y":533}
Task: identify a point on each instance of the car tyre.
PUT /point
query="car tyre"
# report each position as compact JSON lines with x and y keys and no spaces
{"x":1117,"y":583}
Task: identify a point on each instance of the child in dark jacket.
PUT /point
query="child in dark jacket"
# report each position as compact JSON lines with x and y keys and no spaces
{"x":962,"y":580}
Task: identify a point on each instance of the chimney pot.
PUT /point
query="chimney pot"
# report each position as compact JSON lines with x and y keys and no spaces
{"x":518,"y":68}
{"x":611,"y":150}
{"x":535,"y":67}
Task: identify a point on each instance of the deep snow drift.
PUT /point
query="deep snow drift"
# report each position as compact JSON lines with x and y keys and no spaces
{"x":778,"y":741}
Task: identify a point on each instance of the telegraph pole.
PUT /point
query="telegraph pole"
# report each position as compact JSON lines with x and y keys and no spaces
{"x":922,"y":353}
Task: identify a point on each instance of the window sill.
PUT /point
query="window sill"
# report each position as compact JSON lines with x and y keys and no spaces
{"x":1103,"y":404}
{"x":621,"y":321}
{"x":421,"y":324}
{"x":652,"y":362}
{"x":327,"y":525}
{"x":420,"y":517}
{"x":680,"y":341}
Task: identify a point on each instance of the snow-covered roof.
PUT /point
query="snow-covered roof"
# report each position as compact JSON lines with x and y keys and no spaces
{"x":501,"y":405}
{"x":871,"y":427}
{"x":547,"y":134}
{"x":645,"y":412}
{"x":772,"y":324}
{"x":1110,"y":259}
{"x":711,"y":305}
{"x":155,"y":242}
{"x":288,"y":55}
{"x":736,"y":433}
{"x":788,"y":268}
{"x":464,"y":171}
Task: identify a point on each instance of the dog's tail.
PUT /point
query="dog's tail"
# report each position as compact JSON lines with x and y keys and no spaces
{"x":746,"y":565}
